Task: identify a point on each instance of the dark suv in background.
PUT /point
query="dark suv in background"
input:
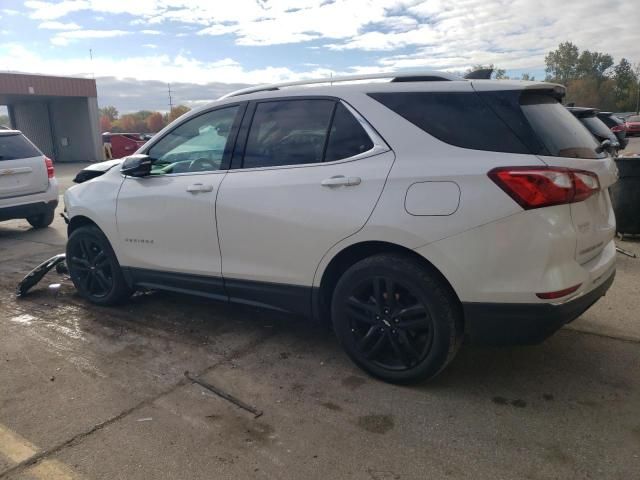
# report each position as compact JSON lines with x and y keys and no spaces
{"x":616,"y":125}
{"x":589,"y":118}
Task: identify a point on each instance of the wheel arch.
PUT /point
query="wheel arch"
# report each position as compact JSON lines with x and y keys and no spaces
{"x":354,"y":253}
{"x":80,"y":221}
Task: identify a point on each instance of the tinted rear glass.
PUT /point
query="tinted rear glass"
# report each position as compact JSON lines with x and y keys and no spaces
{"x":561,"y":134}
{"x":462,"y":119}
{"x":597,"y":127}
{"x":13,"y":147}
{"x":610,"y":120}
{"x":498,"y":121}
{"x":346,"y":137}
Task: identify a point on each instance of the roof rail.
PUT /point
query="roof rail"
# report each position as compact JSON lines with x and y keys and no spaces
{"x":394,"y":77}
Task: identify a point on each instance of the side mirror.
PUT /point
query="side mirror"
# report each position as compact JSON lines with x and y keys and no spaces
{"x":136,"y":166}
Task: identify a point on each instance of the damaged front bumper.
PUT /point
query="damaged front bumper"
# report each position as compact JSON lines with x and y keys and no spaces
{"x":35,"y":275}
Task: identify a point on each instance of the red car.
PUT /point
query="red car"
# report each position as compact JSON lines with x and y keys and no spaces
{"x":633,"y":125}
{"x":122,"y":144}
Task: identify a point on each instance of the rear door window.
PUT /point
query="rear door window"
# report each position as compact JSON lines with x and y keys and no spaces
{"x":347,"y":137}
{"x":288,"y":132}
{"x":13,"y":147}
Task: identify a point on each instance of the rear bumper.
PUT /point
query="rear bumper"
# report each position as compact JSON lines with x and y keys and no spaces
{"x":27,"y":210}
{"x":525,"y":323}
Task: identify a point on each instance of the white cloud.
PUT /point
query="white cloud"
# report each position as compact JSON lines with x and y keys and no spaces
{"x":150,"y":45}
{"x":64,"y":38}
{"x":10,"y":11}
{"x":401,"y":33}
{"x":54,"y":25}
{"x":151,"y":32}
{"x":149,"y":67}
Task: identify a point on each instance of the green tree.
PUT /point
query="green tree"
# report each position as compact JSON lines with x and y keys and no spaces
{"x":4,"y":120}
{"x":593,"y":64}
{"x":110,"y":112}
{"x":626,"y":84}
{"x":562,"y":63}
{"x":528,"y":77}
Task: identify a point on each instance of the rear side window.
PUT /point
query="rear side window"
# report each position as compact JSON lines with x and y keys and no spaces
{"x":346,"y":137}
{"x":462,"y":119}
{"x":288,"y":132}
{"x":13,"y":147}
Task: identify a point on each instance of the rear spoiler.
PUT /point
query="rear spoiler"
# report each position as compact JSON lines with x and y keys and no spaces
{"x":481,"y":74}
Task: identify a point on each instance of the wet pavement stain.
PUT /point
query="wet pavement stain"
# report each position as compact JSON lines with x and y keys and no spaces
{"x":519,"y":403}
{"x":353,"y":381}
{"x":376,"y":423}
{"x":331,"y":406}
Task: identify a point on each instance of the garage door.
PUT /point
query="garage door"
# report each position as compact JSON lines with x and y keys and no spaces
{"x":33,"y":120}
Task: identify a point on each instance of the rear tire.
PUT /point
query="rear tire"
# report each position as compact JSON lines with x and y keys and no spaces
{"x":396,"y":319}
{"x":94,"y":268}
{"x":43,"y":220}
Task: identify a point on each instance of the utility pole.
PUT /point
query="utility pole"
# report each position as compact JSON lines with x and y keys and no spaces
{"x":638,"y":89}
{"x":93,"y":75}
{"x":170,"y":100}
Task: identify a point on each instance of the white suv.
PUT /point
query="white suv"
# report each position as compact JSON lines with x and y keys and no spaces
{"x":28,"y":187}
{"x":411,"y":212}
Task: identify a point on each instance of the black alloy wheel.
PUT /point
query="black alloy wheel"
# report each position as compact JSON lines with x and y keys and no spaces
{"x":391,"y":327}
{"x":397,"y":318}
{"x":94,"y":268}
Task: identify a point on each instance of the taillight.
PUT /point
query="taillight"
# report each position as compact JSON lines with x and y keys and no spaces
{"x":536,"y":187}
{"x":50,"y":170}
{"x":558,"y":293}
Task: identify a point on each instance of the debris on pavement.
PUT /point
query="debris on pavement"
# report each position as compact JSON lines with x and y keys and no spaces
{"x":35,"y":275}
{"x":257,"y":413}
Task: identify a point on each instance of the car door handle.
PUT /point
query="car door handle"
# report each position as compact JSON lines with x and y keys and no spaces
{"x":341,"y":181}
{"x":199,"y":187}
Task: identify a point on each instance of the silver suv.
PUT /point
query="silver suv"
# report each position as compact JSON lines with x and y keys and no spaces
{"x":28,"y":186}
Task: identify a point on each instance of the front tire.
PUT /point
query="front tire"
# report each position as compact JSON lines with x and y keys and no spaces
{"x":42,"y":220}
{"x":94,"y":268}
{"x":396,"y":319}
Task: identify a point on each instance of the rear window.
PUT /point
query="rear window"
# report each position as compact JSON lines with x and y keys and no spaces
{"x":561,"y":134}
{"x":13,"y":147}
{"x":597,"y":127}
{"x":610,"y":120}
{"x":499,"y":121}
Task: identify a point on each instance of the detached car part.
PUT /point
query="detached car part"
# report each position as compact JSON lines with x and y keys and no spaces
{"x":39,"y":272}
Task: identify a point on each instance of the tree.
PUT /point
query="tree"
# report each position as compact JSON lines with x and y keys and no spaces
{"x":4,"y":120}
{"x":177,"y":112}
{"x":128,"y":123}
{"x":105,"y":124}
{"x":626,"y":86}
{"x":155,"y":122}
{"x":110,"y":112}
{"x":528,"y":77}
{"x":593,"y":64}
{"x":561,"y":64}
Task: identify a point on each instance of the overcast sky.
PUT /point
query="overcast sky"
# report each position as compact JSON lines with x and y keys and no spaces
{"x":201,"y":45}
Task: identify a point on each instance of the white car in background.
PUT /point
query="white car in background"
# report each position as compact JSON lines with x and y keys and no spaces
{"x":28,"y":186}
{"x":411,"y":213}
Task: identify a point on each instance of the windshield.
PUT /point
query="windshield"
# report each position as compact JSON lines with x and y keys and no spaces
{"x":557,"y":129}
